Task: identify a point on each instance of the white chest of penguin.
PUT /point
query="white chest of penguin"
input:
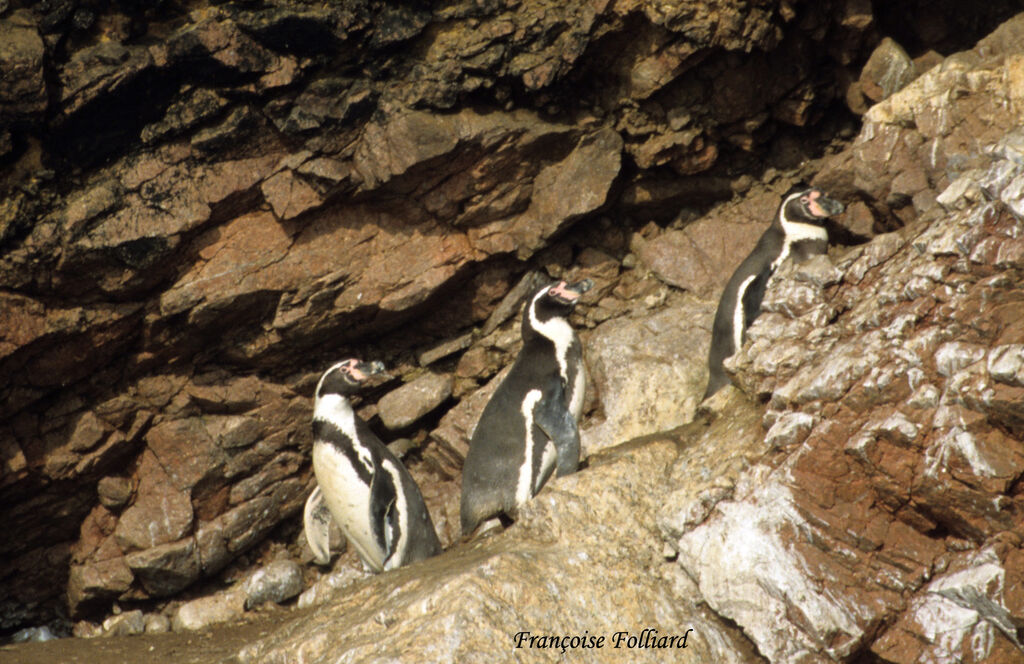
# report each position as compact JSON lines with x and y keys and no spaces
{"x":345,"y":493}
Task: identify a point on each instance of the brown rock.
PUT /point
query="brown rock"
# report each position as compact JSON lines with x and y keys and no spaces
{"x":197,"y":244}
{"x":114,"y":492}
{"x":284,"y":465}
{"x":926,"y":61}
{"x":21,"y":63}
{"x":906,"y":411}
{"x":405,"y":405}
{"x":206,"y":611}
{"x":457,"y":425}
{"x":212,"y":547}
{"x":887,"y":71}
{"x":128,"y":623}
{"x":233,"y":431}
{"x":233,"y":396}
{"x":606,"y":581}
{"x":859,"y":219}
{"x":161,"y":512}
{"x":703,"y":255}
{"x":167,"y":568}
{"x":966,"y":590}
{"x":231,"y":266}
{"x":98,"y":70}
{"x":187,"y":452}
{"x":444,"y":349}
{"x":941,"y":125}
{"x":474,"y":363}
{"x":289,"y":195}
{"x":86,"y":433}
{"x":104,"y":580}
{"x":157,"y":623}
{"x":562,"y":192}
{"x":239,"y":528}
{"x":513,"y":300}
{"x":648,"y":371}
{"x":856,"y":100}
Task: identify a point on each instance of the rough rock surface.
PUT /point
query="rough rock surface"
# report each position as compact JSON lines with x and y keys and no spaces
{"x":648,"y":371}
{"x":888,"y":519}
{"x":404,"y":406}
{"x":467,"y":605}
{"x":203,"y":206}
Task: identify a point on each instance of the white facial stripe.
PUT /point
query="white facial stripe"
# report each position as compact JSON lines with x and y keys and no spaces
{"x":556,"y":329}
{"x":795,"y":231}
{"x":524,"y":486}
{"x":320,"y":383}
{"x":398,"y":555}
{"x":738,"y":318}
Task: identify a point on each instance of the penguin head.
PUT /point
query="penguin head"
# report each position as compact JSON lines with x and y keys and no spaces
{"x":557,"y":299}
{"x":347,"y":377}
{"x":809,"y":205}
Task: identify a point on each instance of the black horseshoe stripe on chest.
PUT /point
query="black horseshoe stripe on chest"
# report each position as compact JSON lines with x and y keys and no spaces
{"x":327,"y":432}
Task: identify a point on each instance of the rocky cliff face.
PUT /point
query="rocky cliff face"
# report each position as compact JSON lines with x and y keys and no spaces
{"x":202,"y":209}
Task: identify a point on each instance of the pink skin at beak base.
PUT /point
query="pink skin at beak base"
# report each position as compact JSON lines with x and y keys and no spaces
{"x":812,"y":204}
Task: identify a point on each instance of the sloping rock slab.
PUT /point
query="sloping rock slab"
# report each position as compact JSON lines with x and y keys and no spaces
{"x":583,"y":560}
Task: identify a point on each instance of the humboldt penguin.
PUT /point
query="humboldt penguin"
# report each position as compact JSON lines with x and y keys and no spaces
{"x":368,"y":491}
{"x":797,"y":232}
{"x":529,"y":427}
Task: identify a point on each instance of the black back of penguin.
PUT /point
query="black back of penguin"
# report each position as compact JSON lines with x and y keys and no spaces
{"x":531,"y":414}
{"x":797,"y":232}
{"x":368,"y":491}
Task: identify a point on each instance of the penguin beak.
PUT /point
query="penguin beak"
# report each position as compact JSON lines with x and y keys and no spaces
{"x":363,"y":370}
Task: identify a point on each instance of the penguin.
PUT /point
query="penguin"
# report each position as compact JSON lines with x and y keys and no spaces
{"x":797,"y":232}
{"x":368,"y":491}
{"x":529,"y":427}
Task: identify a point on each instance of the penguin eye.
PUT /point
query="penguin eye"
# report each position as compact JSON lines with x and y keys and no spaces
{"x":805,"y":199}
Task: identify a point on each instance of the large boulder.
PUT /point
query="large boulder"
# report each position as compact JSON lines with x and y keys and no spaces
{"x":891,"y":380}
{"x":584,"y":560}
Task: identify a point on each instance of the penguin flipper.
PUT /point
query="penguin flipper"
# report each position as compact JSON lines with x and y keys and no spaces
{"x":558,"y":424}
{"x":383,"y":513}
{"x":316,"y":520}
{"x":390,"y":533}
